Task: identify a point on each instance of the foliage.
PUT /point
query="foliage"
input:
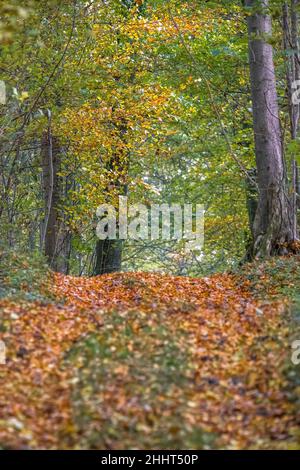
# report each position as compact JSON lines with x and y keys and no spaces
{"x":274,"y":278}
{"x":140,"y":96}
{"x":23,"y":275}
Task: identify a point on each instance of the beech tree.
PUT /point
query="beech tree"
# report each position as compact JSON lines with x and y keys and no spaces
{"x":273,"y":225}
{"x":55,"y":236}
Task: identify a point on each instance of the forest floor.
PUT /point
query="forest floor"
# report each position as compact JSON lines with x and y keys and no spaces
{"x":149,"y":361}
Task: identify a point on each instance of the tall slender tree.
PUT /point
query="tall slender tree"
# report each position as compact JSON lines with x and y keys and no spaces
{"x":273,"y":224}
{"x":56,"y":238}
{"x":290,"y":25}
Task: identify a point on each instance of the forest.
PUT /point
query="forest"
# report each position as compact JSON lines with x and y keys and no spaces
{"x":149,"y":225}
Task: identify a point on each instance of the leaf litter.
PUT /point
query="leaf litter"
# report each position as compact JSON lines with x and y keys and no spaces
{"x":147,"y":361}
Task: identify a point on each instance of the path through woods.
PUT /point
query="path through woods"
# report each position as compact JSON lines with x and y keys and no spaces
{"x":147,"y":361}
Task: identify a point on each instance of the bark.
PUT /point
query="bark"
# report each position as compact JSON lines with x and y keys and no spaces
{"x":108,"y":256}
{"x":272,"y":228}
{"x":251,"y":193}
{"x":251,"y":200}
{"x":290,"y":42}
{"x":109,"y":252}
{"x":295,"y":64}
{"x":56,"y":239}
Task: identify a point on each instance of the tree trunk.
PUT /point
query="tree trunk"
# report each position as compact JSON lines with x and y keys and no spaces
{"x":272,"y":228}
{"x":56,"y":239}
{"x":109,"y":252}
{"x":251,"y":194}
{"x":290,"y":41}
{"x":108,"y":256}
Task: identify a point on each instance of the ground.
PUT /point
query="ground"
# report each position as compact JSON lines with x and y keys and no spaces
{"x":149,"y":361}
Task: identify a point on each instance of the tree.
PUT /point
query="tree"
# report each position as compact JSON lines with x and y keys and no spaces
{"x":273,"y":224}
{"x":56,"y":238}
{"x":291,"y":50}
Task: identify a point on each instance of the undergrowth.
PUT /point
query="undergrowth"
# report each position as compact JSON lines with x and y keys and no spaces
{"x":24,"y":276}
